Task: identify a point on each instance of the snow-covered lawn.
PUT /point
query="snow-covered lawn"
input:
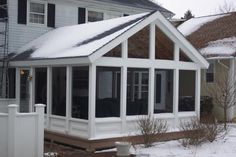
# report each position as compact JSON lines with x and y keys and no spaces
{"x":222,"y":148}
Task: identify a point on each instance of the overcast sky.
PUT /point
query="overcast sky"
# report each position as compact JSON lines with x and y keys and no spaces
{"x":198,"y":7}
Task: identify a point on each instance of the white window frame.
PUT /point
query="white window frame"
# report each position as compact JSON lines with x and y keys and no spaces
{"x":139,"y":84}
{"x":45,"y":13}
{"x":206,"y":72}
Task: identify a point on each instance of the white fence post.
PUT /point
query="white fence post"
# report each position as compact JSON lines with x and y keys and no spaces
{"x":40,"y":130}
{"x":12,"y":112}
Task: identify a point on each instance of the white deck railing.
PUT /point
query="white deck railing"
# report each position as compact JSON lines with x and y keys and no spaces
{"x":22,"y":134}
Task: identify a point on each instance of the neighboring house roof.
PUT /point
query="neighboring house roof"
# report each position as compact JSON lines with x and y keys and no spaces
{"x":214,"y":36}
{"x":93,"y":40}
{"x":145,"y":4}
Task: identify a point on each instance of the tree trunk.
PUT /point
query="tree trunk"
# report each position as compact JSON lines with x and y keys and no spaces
{"x":225,"y":118}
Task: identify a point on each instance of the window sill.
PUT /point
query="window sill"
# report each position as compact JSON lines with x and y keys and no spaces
{"x":108,"y":120}
{"x":187,"y":114}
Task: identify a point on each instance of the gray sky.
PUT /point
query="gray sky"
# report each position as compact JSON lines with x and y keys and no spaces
{"x":198,"y":7}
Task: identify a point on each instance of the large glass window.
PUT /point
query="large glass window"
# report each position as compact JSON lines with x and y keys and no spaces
{"x":137,"y":91}
{"x":59,"y":91}
{"x":108,"y":92}
{"x":37,"y":13}
{"x":41,"y":86}
{"x":95,"y":16}
{"x":163,"y":91}
{"x":186,"y":90}
{"x":80,"y":78}
{"x":138,"y":44}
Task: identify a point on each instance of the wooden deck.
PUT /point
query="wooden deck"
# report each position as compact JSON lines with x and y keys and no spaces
{"x":92,"y":145}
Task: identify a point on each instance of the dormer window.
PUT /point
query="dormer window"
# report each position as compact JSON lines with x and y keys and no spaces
{"x":95,"y":16}
{"x":37,"y":13}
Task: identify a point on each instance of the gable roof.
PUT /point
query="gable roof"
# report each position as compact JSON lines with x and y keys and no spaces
{"x":92,"y":40}
{"x":145,"y":4}
{"x":214,"y":36}
{"x":78,"y":40}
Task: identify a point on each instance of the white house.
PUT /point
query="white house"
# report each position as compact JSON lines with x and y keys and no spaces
{"x":97,"y":82}
{"x":29,"y":19}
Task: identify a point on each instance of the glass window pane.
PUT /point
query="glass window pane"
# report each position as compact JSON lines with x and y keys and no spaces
{"x":186,"y":90}
{"x":41,"y":86}
{"x":80,"y":87}
{"x":137,"y":91}
{"x":36,"y":7}
{"x":94,"y":16}
{"x":108,"y":92}
{"x":59,"y":91}
{"x":137,"y":50}
{"x":163,"y":91}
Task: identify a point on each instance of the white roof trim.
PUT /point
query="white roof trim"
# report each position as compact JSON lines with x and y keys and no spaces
{"x":166,"y":27}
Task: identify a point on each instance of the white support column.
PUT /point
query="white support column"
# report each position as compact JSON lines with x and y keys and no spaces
{"x":31,"y":89}
{"x":49,"y":94}
{"x":151,"y":91}
{"x":68,"y":95}
{"x":12,"y":112}
{"x":18,"y":86}
{"x":176,"y":95}
{"x":92,"y":100}
{"x":197,"y":92}
{"x":123,"y":97}
{"x":39,"y":148}
{"x":124,"y":49}
{"x":231,"y":77}
{"x":176,"y":52}
{"x":152,"y":41}
{"x":176,"y":86}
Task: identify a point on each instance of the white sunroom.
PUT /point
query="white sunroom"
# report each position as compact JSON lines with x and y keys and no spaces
{"x":96,"y":79}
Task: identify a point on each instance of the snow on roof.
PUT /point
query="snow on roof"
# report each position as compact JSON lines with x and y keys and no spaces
{"x":194,"y":24}
{"x":220,"y":48}
{"x":78,"y":40}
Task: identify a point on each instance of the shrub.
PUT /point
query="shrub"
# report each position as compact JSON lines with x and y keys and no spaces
{"x":197,"y":132}
{"x":206,"y":105}
{"x":151,"y":129}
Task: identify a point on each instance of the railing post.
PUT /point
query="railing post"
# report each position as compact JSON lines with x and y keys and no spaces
{"x":12,"y":112}
{"x":40,"y":130}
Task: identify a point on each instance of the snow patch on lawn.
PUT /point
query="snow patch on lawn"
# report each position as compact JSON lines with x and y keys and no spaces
{"x":224,"y":147}
{"x":194,"y":24}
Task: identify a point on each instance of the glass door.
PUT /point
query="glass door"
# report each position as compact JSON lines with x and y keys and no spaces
{"x":24,"y":90}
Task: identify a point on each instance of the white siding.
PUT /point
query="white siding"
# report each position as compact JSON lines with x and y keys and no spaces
{"x":66,"y":14}
{"x":20,"y":34}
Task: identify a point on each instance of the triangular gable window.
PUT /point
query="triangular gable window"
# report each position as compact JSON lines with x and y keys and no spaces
{"x":183,"y":57}
{"x":164,"y":46}
{"x":115,"y":52}
{"x":138,"y":44}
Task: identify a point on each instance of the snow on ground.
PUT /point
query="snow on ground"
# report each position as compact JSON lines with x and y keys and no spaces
{"x":222,"y":47}
{"x":194,"y":24}
{"x":222,"y":148}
